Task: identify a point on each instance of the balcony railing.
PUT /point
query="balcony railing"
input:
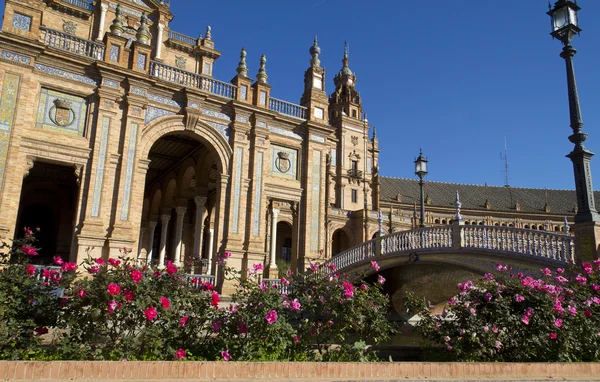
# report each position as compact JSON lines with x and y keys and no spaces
{"x":355,"y":173}
{"x":182,"y":38}
{"x":287,"y":108}
{"x":85,"y":4}
{"x":198,"y":281}
{"x":192,"y":80}
{"x":72,"y":44}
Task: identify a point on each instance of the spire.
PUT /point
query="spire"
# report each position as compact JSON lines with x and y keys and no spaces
{"x":345,"y":75}
{"x":242,"y":69}
{"x":117,"y":25}
{"x":262,"y":71}
{"x":143,"y":34}
{"x":315,"y":50}
{"x":374,"y":133}
{"x":208,"y":35}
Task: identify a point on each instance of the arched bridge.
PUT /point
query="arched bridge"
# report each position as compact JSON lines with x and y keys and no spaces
{"x":478,"y":248}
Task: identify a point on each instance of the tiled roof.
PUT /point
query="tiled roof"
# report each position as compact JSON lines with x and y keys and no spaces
{"x":473,"y":197}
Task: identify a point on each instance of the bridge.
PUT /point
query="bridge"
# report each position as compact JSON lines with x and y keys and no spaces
{"x":474,"y":247}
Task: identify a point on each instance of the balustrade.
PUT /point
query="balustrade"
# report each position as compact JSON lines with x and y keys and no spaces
{"x":197,"y":280}
{"x":277,"y":284}
{"x":85,"y":4}
{"x":73,"y":44}
{"x":193,"y":80}
{"x":287,"y":108}
{"x":182,"y":38}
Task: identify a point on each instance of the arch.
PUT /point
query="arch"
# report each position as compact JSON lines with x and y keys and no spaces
{"x":170,"y":193}
{"x":201,"y":131}
{"x":339,"y":241}
{"x":185,"y":179}
{"x":156,"y":202}
{"x":145,"y":208}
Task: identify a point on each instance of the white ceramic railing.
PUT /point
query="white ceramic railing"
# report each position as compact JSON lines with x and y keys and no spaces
{"x":182,"y":38}
{"x":193,"y":80}
{"x":73,"y":44}
{"x":287,"y":108}
{"x":194,"y":280}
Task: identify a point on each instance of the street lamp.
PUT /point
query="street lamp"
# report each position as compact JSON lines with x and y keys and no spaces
{"x":565,"y":26}
{"x":421,"y":171}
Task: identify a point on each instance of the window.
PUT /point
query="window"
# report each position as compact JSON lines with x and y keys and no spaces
{"x":354,"y":196}
{"x":319,"y":112}
{"x":354,"y":165}
{"x":354,"y":113}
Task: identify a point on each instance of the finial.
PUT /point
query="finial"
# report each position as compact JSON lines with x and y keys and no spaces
{"x":143,"y":34}
{"x":346,"y":49}
{"x":262,"y":71}
{"x":458,"y":206}
{"x":315,"y":50}
{"x":380,"y":221}
{"x":242,"y":69}
{"x":374,"y":132}
{"x":208,"y":34}
{"x":117,"y":25}
{"x":566,"y":226}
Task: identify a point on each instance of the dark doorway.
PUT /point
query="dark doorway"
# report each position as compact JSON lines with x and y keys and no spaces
{"x":340,"y":242}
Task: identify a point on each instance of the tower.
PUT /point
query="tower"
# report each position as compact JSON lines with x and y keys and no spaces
{"x":314,"y":97}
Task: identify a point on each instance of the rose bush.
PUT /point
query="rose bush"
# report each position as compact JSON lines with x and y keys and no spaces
{"x":513,"y":318}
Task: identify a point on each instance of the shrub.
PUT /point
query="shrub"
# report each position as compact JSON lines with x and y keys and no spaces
{"x":517,"y":318}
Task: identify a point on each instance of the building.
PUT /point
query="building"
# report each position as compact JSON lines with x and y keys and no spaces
{"x":115,"y":134}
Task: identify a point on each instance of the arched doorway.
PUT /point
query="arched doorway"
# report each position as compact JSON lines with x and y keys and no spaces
{"x":339,"y":242}
{"x":283,"y":252}
{"x":49,"y":202}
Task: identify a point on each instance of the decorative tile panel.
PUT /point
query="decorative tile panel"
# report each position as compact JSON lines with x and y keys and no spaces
{"x":129,"y":171}
{"x":257,"y":194}
{"x":241,"y":118}
{"x":100,"y":169}
{"x":244,"y":92}
{"x":138,"y":91}
{"x":8,"y":102}
{"x":69,"y":27}
{"x":262,"y":98}
{"x":22,"y":22}
{"x":61,"y":73}
{"x":237,"y":186}
{"x":161,"y":99}
{"x":317,"y":138}
{"x":261,"y":124}
{"x":180,"y":62}
{"x":115,"y":50}
{"x":18,"y":58}
{"x":154,"y":112}
{"x":216,"y":114}
{"x":194,"y":105}
{"x":141,"y":61}
{"x":284,"y":162}
{"x":287,"y":133}
{"x":315,"y":200}
{"x":223,"y":129}
{"x":110,"y":83}
{"x":60,"y":112}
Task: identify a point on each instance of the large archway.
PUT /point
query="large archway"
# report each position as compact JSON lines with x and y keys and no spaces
{"x":48,"y":202}
{"x":182,"y":188}
{"x":339,"y":242}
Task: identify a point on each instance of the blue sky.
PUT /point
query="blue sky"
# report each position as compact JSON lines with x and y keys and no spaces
{"x":455,"y":77}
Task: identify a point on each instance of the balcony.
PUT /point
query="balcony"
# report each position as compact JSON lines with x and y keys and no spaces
{"x":287,"y":108}
{"x":355,"y":173}
{"x":80,"y":8}
{"x":72,"y":44}
{"x":192,"y":80}
{"x":85,"y":4}
{"x":180,"y":37}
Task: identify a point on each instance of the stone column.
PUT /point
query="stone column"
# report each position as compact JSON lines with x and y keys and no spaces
{"x":142,"y":230}
{"x":149,"y":249}
{"x":159,"y":40}
{"x":274,"y":216}
{"x":103,"y":10}
{"x":164,"y":219}
{"x":199,"y":225}
{"x":178,"y":235}
{"x":211,"y":237}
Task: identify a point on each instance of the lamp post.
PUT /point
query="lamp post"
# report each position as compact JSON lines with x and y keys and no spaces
{"x":564,"y":27}
{"x":421,"y":171}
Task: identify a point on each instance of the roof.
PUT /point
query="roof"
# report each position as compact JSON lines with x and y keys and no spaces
{"x":473,"y":197}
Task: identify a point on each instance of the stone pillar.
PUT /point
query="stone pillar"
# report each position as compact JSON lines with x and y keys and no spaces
{"x":103,"y":10}
{"x":178,"y":234}
{"x":211,"y":237}
{"x":159,"y":40}
{"x":142,"y":230}
{"x":164,"y":219}
{"x":199,"y":225}
{"x":273,"y":249}
{"x":149,"y":249}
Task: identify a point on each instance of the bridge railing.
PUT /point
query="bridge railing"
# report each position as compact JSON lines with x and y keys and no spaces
{"x":526,"y":242}
{"x":520,"y":241}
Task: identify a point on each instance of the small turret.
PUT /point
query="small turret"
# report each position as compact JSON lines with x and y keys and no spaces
{"x":143,"y":34}
{"x":262,"y":71}
{"x":315,"y":50}
{"x":116,"y":27}
{"x":242,"y":69}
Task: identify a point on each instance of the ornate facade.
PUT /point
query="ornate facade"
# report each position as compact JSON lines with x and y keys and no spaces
{"x":114,"y":133}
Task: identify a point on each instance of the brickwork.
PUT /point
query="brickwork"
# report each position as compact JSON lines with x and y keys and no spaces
{"x":115,"y":371}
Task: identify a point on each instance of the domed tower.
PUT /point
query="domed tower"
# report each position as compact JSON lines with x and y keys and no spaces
{"x":345,"y":100}
{"x":315,"y":97}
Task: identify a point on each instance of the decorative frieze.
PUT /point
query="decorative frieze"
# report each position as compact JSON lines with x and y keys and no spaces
{"x":237,"y":189}
{"x":61,"y":73}
{"x":154,"y":112}
{"x":61,"y":112}
{"x":241,"y":118}
{"x":163,"y":100}
{"x":10,"y":89}
{"x":139,"y":91}
{"x":223,"y":129}
{"x":287,"y":133}
{"x":15,"y":57}
{"x":110,"y":83}
{"x":132,"y":142}
{"x":96,"y":197}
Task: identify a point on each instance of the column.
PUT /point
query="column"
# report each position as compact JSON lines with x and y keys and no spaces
{"x":178,"y":235}
{"x":274,"y":216}
{"x":159,"y":40}
{"x":211,"y":236}
{"x":150,"y":244}
{"x":199,"y":225}
{"x":103,"y":10}
{"x":164,"y":219}
{"x":142,"y":230}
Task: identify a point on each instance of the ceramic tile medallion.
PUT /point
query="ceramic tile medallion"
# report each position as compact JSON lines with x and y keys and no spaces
{"x":284,"y":162}
{"x":60,"y":112}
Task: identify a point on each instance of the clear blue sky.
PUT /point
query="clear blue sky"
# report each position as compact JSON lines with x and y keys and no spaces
{"x":454,"y":77}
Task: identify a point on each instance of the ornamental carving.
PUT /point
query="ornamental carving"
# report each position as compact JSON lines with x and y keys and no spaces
{"x":180,"y":62}
{"x":354,"y":140}
{"x":283,"y":162}
{"x":69,"y":27}
{"x":61,"y":113}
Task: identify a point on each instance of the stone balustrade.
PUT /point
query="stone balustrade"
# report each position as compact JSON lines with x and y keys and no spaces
{"x":287,"y":108}
{"x":182,"y":38}
{"x":73,"y":44}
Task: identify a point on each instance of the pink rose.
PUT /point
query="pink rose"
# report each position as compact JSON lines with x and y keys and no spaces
{"x":314,"y":267}
{"x":29,"y":250}
{"x":375,"y":266}
{"x":137,"y":276}
{"x":58,"y":260}
{"x":129,"y":295}
{"x":183,"y":321}
{"x":214,"y":299}
{"x":94,"y":269}
{"x":552,"y":336}
{"x":171,"y":269}
{"x":68,"y":267}
{"x":114,"y":262}
{"x":113,"y":289}
{"x":180,"y":354}
{"x":271,"y":317}
{"x":81,"y":293}
{"x":295,"y":305}
{"x":558,"y":323}
{"x":112,"y":305}
{"x":165,"y":302}
{"x":30,"y":269}
{"x":525,"y":320}
{"x":99,"y":261}
{"x":150,"y":313}
{"x":380,"y":279}
{"x":225,"y":355}
{"x":519,"y":298}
